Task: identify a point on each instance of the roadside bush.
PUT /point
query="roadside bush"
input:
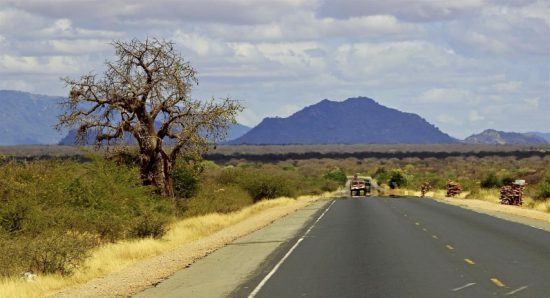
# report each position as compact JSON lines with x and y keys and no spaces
{"x":186,"y":180}
{"x":217,"y":198}
{"x":50,"y":252}
{"x":543,"y":191}
{"x":52,"y":212}
{"x":330,"y":185}
{"x":265,"y":186}
{"x":507,"y":180}
{"x":336,"y":175}
{"x":149,"y":225}
{"x":263,"y":183}
{"x":57,"y":252}
{"x":11,"y":256}
{"x":397,"y":178}
{"x":381,"y":174}
{"x":490,"y":181}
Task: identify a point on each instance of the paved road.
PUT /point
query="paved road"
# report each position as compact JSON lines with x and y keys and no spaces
{"x":405,"y":247}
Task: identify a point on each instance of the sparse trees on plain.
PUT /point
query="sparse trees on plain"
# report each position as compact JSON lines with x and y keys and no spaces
{"x":145,"y":94}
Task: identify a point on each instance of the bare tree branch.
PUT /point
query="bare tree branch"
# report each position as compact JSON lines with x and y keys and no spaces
{"x":146,"y":94}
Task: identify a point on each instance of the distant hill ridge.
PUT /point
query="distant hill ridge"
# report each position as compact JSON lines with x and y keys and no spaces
{"x":359,"y":120}
{"x":30,"y":119}
{"x":27,"y":118}
{"x":70,"y":139}
{"x":491,"y":136}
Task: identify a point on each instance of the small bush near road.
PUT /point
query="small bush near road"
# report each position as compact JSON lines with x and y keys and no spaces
{"x":185,"y":178}
{"x":491,"y":181}
{"x":261,"y":185}
{"x":336,"y":175}
{"x":398,"y":178}
{"x":543,"y":191}
{"x":214,"y":198}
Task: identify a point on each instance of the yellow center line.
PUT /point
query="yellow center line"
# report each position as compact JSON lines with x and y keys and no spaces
{"x":497,"y":282}
{"x":449,"y":247}
{"x":469,"y":261}
{"x":435,"y":237}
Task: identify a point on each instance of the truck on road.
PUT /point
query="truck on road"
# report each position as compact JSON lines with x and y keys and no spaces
{"x":359,"y":186}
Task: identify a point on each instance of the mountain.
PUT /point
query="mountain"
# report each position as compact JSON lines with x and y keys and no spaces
{"x":358,"y":120}
{"x":27,"y":118}
{"x":234,"y":132}
{"x":237,"y":131}
{"x":544,"y":135}
{"x":491,"y":136}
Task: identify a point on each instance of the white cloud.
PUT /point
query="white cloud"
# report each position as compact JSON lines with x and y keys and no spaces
{"x":474,"y":116}
{"x":532,"y":102}
{"x":478,"y":58}
{"x":55,"y":65}
{"x":443,"y":95}
{"x":507,"y":87}
{"x":448,"y":119}
{"x":417,"y":11}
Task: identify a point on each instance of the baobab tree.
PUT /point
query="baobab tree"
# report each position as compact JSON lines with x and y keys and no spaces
{"x":146,"y":94}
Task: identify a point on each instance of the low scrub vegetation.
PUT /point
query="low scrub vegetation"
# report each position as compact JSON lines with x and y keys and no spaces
{"x":53,"y":212}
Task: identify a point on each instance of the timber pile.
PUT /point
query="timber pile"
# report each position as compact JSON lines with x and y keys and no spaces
{"x":512,"y":194}
{"x":424,"y":188}
{"x":453,"y":188}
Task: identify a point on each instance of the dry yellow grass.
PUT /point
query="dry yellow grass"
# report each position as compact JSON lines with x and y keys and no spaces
{"x":489,"y":199}
{"x":115,"y":257}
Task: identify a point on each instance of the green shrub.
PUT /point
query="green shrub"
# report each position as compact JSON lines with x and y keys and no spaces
{"x":543,"y":191}
{"x":57,"y":252}
{"x":13,"y":215}
{"x":490,"y":181}
{"x":266,"y":186}
{"x":507,"y":180}
{"x":11,"y":256}
{"x":336,"y":175}
{"x":381,"y":174}
{"x":216,"y":198}
{"x":330,"y":185}
{"x":397,"y":178}
{"x":149,"y":225}
{"x":185,"y":180}
{"x":49,"y":252}
{"x":46,"y":207}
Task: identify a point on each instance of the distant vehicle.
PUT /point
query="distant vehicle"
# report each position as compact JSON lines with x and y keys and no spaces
{"x":359,"y":186}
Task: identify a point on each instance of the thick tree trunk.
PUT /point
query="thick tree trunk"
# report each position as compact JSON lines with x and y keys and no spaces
{"x":156,"y":169}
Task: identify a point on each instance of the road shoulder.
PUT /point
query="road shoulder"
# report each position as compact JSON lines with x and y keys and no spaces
{"x":145,"y":274}
{"x":533,"y":218}
{"x":219,"y":274}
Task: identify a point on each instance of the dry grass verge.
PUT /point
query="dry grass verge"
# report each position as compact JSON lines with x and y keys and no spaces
{"x":130,"y":266}
{"x":488,"y":200}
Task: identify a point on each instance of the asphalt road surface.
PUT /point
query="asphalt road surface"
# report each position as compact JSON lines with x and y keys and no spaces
{"x":405,"y":247}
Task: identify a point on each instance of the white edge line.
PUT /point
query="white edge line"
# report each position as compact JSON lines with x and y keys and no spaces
{"x":289,"y":252}
{"x":464,"y":286}
{"x":516,"y":290}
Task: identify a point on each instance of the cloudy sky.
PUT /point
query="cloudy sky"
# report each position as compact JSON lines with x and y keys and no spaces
{"x":464,"y":65}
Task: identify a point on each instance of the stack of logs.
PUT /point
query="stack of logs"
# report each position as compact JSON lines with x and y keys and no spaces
{"x":424,"y":188}
{"x":453,"y":188}
{"x":512,"y":194}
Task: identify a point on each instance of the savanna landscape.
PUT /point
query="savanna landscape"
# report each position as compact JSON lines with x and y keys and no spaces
{"x":61,"y":211}
{"x":278,"y":175}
